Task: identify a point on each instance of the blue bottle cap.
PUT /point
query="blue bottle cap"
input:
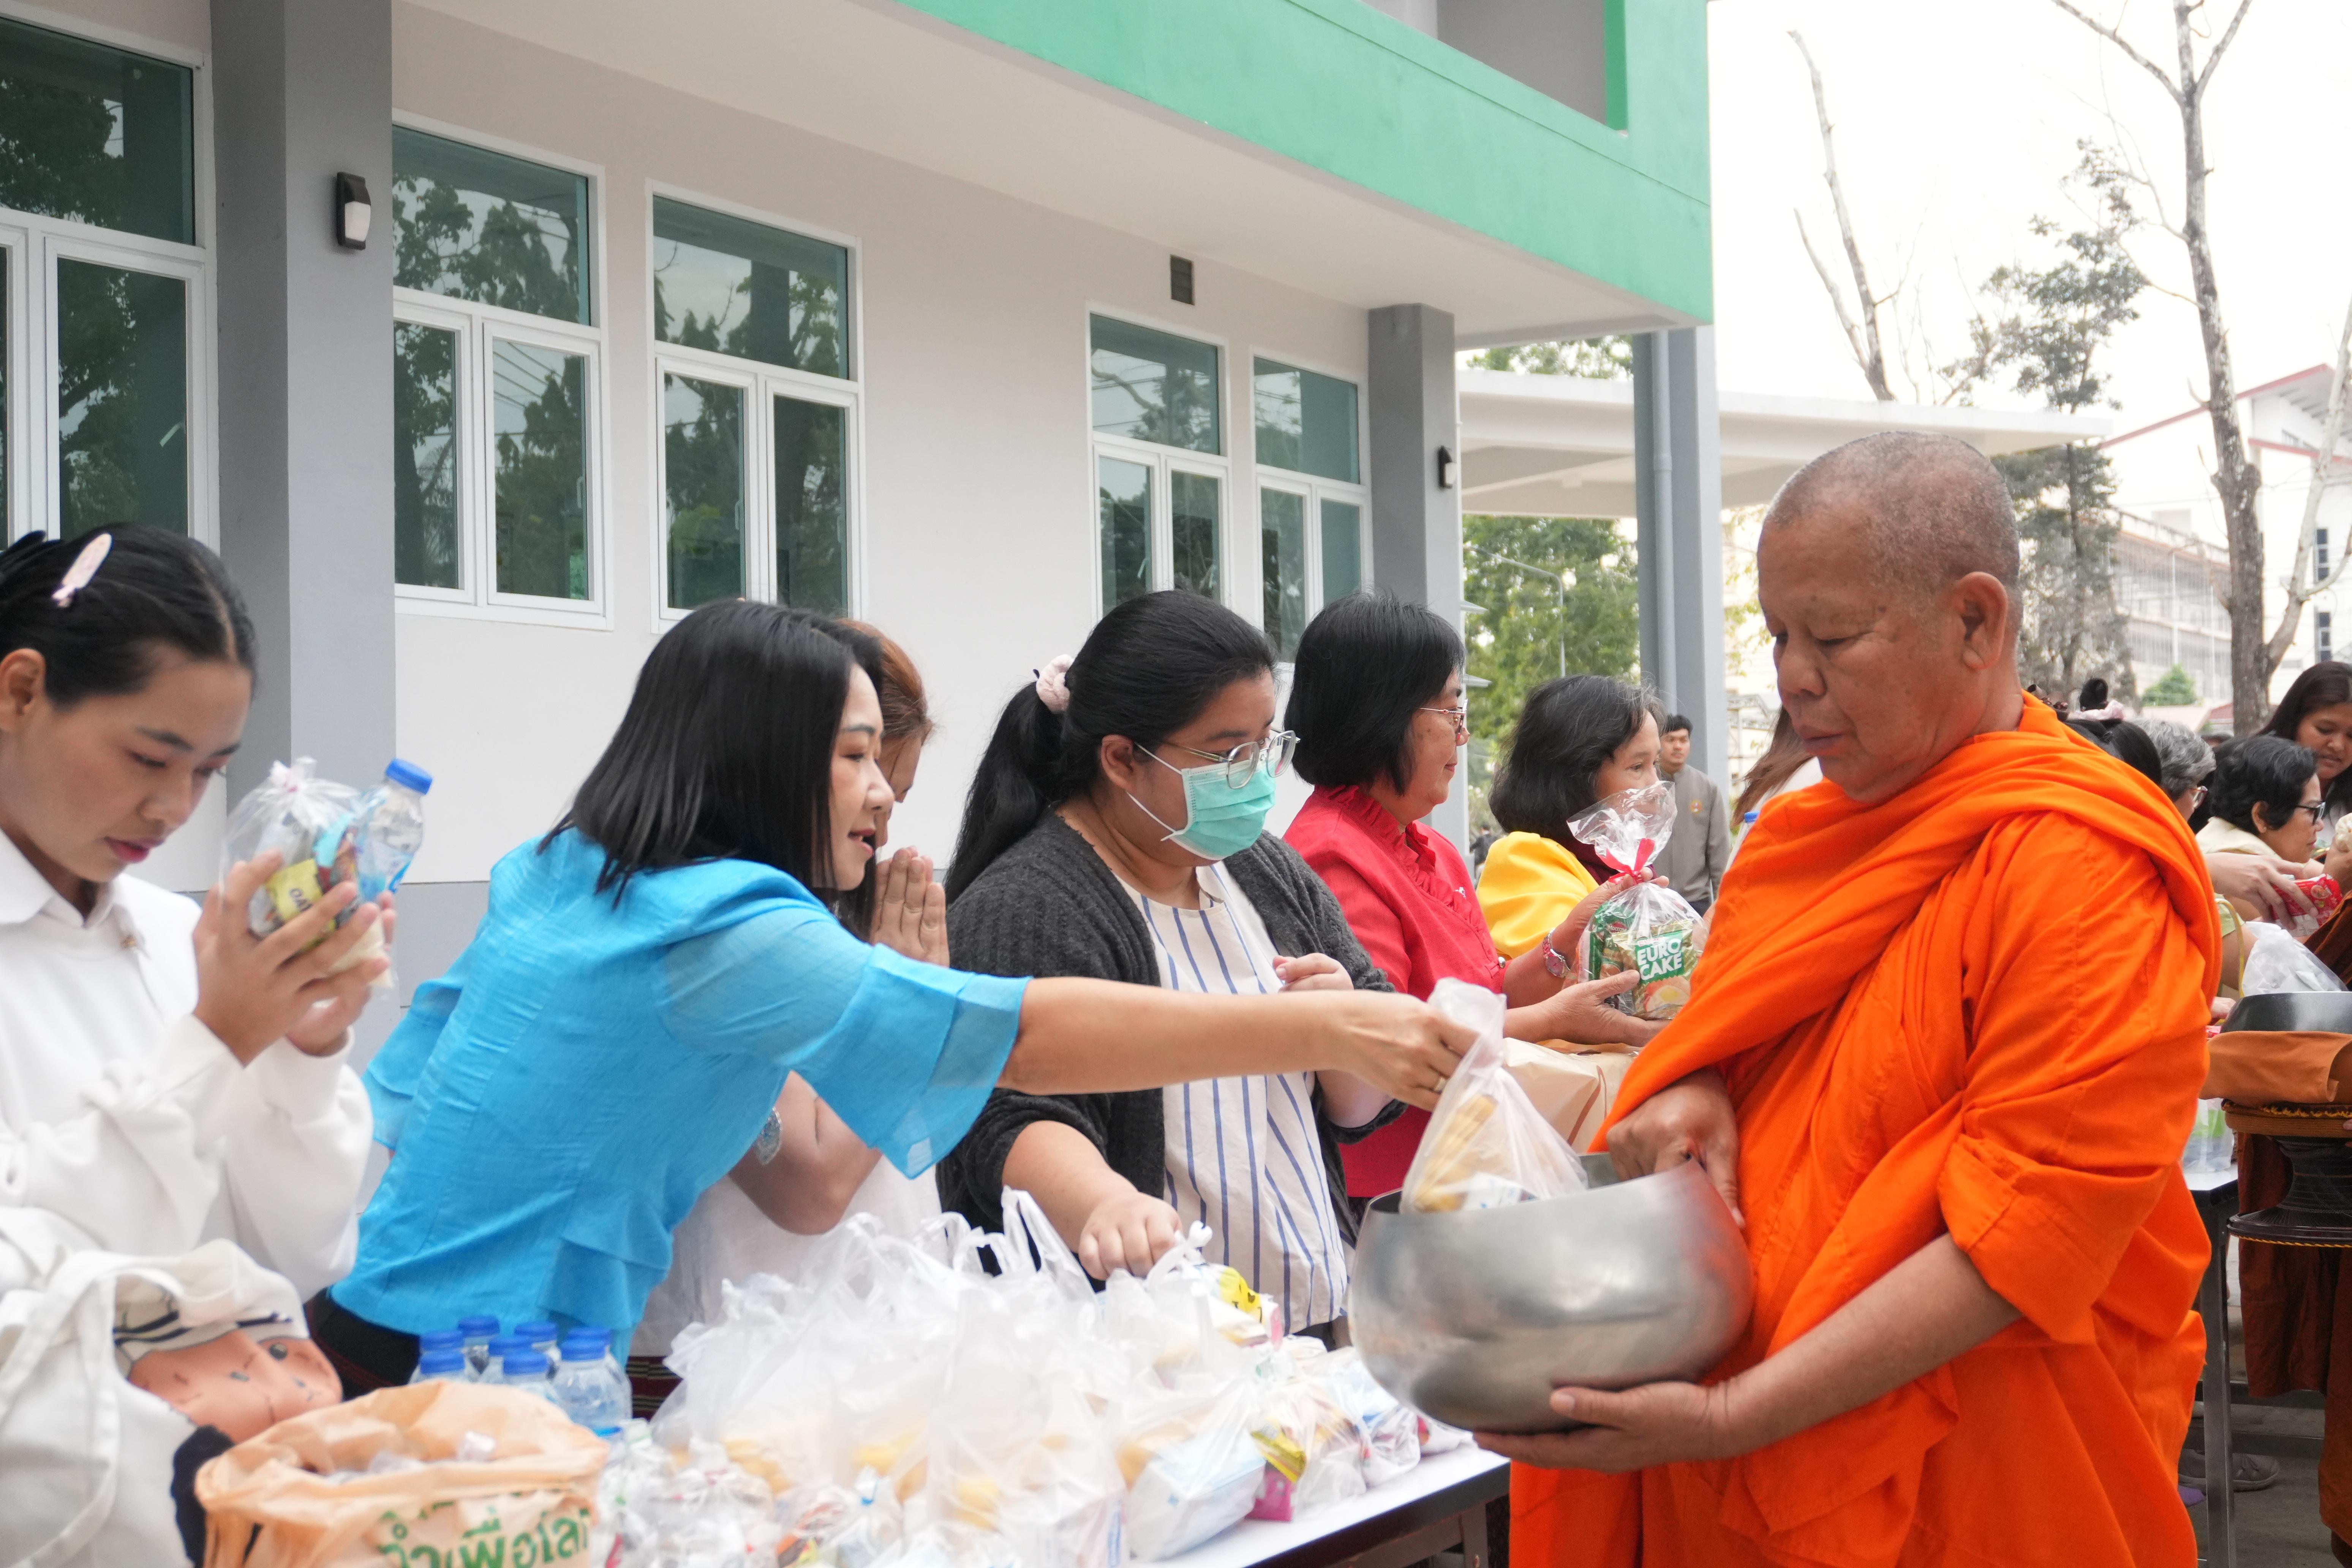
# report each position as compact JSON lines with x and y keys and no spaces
{"x":478,"y":1328}
{"x":409,"y":773}
{"x":525,"y":1363}
{"x":503,"y":1344}
{"x":1750,"y":817}
{"x":433,"y":1340}
{"x":441,"y":1363}
{"x":539,"y":1330}
{"x":582,"y":1347}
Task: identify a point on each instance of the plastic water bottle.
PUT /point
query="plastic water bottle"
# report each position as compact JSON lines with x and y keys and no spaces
{"x":584,"y":1391}
{"x":540,"y":1334}
{"x":447,"y":1362}
{"x":390,"y":826}
{"x":604,"y":1340}
{"x":434,"y":1341}
{"x":501,"y":1347}
{"x":477,"y":1333}
{"x":525,"y":1369}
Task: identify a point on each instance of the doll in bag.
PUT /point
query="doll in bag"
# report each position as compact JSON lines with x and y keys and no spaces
{"x":1648,"y":927}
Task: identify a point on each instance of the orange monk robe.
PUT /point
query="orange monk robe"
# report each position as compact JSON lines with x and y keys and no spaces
{"x":1977,"y":1008}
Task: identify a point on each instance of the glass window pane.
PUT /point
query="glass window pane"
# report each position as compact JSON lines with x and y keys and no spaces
{"x":7,"y":522}
{"x":483,"y":226}
{"x":425,"y":536}
{"x":122,"y":398}
{"x":96,"y":135}
{"x":1125,"y":502}
{"x":1155,"y":387}
{"x":1282,"y":536}
{"x":745,"y":289}
{"x":540,"y":416}
{"x":812,"y":505}
{"x":1306,"y":422}
{"x":1343,"y":549}
{"x":1192,"y":515}
{"x":702,"y":479}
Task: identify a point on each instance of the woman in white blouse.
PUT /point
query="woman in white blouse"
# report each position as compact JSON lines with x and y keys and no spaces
{"x":165,"y":1077}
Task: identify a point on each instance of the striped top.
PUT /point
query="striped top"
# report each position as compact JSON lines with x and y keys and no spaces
{"x":1243,"y":1153}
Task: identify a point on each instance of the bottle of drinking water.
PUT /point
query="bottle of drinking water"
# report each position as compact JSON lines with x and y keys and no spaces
{"x":477,"y":1333}
{"x":584,"y":1390}
{"x":540,"y":1334}
{"x":525,"y":1368}
{"x":435,"y":1344}
{"x":389,"y":828}
{"x":447,"y":1362}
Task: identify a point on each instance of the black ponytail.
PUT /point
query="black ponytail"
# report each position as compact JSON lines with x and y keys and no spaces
{"x":155,"y":591}
{"x":1147,"y":669}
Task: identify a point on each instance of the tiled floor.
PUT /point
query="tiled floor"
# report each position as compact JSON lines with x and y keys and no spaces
{"x":2280,"y":1528}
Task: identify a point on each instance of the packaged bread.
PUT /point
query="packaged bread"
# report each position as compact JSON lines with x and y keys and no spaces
{"x":1487,"y":1144}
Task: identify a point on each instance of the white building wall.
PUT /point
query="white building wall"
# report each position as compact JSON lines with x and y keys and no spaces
{"x":979,"y":552}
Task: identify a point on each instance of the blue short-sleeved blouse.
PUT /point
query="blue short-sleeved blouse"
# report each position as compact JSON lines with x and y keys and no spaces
{"x":557,"y":1101}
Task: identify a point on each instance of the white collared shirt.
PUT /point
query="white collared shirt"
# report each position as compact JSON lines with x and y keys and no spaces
{"x":124,"y":1115}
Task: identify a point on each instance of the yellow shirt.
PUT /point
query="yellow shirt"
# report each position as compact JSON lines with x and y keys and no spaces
{"x":1528,"y":885}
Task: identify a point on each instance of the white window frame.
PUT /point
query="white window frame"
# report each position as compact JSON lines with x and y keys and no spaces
{"x":36,"y":243}
{"x":1162,"y":461}
{"x":762,"y":383}
{"x":1315,"y":488}
{"x":478,"y":327}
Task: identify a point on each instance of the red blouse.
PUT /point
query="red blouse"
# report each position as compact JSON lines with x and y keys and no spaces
{"x":1408,"y":898}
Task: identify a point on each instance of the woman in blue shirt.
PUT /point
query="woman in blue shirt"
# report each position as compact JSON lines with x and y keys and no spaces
{"x":646,"y":977}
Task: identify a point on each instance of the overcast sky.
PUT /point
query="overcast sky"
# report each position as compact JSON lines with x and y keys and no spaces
{"x":1956,"y":121}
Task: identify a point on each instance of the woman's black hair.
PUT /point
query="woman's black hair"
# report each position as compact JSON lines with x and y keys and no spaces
{"x":2260,"y":770}
{"x":2127,"y":742}
{"x":1147,"y":669}
{"x":1365,"y":665}
{"x":2093,"y":696}
{"x":2321,"y":685}
{"x":155,"y":592}
{"x":726,"y":751}
{"x":1568,"y":730}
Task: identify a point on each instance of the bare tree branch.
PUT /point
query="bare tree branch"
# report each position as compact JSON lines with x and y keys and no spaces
{"x":1869,"y":351}
{"x":2117,"y":39}
{"x":2228,"y":33}
{"x":2300,"y":589}
{"x":1837,"y":299}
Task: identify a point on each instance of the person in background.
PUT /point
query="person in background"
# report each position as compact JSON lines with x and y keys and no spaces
{"x":2317,"y":714}
{"x":807,"y":1172}
{"x":2183,"y":764}
{"x":1784,"y":768}
{"x":1116,"y":830}
{"x":1698,"y":851}
{"x":648,"y":974}
{"x":2263,"y":799}
{"x":2127,"y":743}
{"x":1377,"y":701}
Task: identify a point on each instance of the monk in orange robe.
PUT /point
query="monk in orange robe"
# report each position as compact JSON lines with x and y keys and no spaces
{"x":1944,"y":1051}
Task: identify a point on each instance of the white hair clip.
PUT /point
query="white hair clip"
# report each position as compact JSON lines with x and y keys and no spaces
{"x":1054,"y":685}
{"x":85,"y":567}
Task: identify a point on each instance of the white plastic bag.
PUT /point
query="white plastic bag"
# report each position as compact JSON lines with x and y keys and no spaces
{"x":2275,"y":961}
{"x":1191,"y":1464}
{"x":1487,"y":1144}
{"x":1648,"y":927}
{"x":1391,"y":1430}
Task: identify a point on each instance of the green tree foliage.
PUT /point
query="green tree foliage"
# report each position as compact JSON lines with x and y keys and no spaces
{"x":2050,"y":326}
{"x":1522,"y":640}
{"x":2175,"y":689}
{"x":1595,"y":359}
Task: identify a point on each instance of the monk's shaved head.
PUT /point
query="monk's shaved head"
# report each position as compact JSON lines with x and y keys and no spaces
{"x":1932,"y":509}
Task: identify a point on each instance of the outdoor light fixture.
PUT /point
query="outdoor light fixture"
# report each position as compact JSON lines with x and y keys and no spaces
{"x":354,"y":212}
{"x":1179,"y":279}
{"x":1445,"y":467}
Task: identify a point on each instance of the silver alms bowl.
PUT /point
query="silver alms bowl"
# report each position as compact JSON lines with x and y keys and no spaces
{"x":1475,"y":1317}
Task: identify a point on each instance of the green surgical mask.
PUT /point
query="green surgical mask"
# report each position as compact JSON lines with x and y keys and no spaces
{"x":1219,"y":820}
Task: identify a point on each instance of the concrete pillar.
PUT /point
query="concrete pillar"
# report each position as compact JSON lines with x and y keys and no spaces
{"x":1678,"y":497}
{"x":303,"y":90}
{"x":1417,"y":522}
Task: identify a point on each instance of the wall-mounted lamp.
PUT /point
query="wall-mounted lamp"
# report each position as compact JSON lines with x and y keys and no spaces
{"x":354,"y":212}
{"x":1445,"y":467}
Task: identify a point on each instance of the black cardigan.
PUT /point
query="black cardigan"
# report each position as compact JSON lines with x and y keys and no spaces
{"x":1048,"y":906}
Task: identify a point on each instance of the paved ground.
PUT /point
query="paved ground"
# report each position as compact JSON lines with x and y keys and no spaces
{"x":2280,"y":1528}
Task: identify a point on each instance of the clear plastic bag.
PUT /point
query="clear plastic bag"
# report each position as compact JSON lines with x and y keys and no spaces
{"x":309,"y":822}
{"x":1314,"y":1448}
{"x":1391,"y":1430}
{"x":1648,"y":927}
{"x":1191,"y":1464}
{"x":1487,"y":1144}
{"x":2212,"y":1147}
{"x":2276,"y":962}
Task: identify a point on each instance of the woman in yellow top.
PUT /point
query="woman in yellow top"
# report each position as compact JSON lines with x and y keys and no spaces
{"x":1579,"y":740}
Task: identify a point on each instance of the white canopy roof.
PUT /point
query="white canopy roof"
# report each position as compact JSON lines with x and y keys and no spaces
{"x":1561,"y":446}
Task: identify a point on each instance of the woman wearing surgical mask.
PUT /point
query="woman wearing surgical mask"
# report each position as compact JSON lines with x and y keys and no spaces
{"x":1116,"y":829}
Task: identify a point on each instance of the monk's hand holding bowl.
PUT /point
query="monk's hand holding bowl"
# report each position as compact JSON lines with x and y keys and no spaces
{"x":1633,"y":1428}
{"x":1689,"y":1120}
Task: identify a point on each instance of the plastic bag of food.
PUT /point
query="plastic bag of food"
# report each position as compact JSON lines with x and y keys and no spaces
{"x":2325,"y":898}
{"x":660,"y":1509}
{"x":1314,"y":1449}
{"x":310,"y":822}
{"x":1190,"y":1465}
{"x":1648,"y":927}
{"x":1391,"y":1430}
{"x":1486,"y":1145}
{"x":2276,"y":962}
{"x":498,"y":1472}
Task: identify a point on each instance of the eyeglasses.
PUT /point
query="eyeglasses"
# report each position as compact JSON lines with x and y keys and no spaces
{"x":1461,"y":717}
{"x":1243,"y":763}
{"x":2316,"y":809}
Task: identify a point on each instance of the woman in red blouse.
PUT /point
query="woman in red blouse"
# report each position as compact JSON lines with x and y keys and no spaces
{"x":1377,"y":704}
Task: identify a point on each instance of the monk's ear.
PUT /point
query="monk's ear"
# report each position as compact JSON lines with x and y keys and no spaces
{"x":1987,"y":639}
